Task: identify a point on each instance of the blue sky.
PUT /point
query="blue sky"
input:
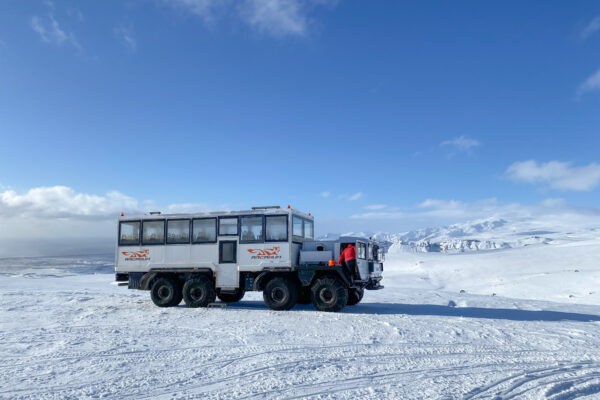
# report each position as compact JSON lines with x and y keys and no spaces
{"x":368,"y":114}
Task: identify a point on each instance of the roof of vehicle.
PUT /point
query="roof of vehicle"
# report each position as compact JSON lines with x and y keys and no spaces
{"x":254,"y":211}
{"x":345,"y":239}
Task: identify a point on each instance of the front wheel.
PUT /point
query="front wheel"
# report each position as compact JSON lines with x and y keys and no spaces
{"x":355,"y":296}
{"x":166,"y":292}
{"x":198,"y":292}
{"x":329,"y":294}
{"x":280,"y":294}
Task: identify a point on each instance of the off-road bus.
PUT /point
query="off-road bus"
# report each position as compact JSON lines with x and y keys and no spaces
{"x":198,"y":257}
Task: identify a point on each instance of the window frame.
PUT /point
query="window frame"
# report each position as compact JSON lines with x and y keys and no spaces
{"x":294,"y":236}
{"x":164,"y":232}
{"x":215,"y":219}
{"x":287,"y":227}
{"x":364,"y":245}
{"x":237,"y":217}
{"x":300,"y":239}
{"x":189,"y":230}
{"x":306,"y":220}
{"x":375,"y":252}
{"x":139,"y":241}
{"x":262,"y":217}
{"x":221,"y":243}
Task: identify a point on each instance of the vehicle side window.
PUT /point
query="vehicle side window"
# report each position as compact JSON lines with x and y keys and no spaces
{"x":129,"y":233}
{"x":277,"y":228}
{"x":361,"y":250}
{"x":297,"y":226}
{"x":308,"y":229}
{"x":228,"y":226}
{"x":227,"y":252}
{"x":252,"y":229}
{"x":178,"y":231}
{"x":153,"y":232}
{"x":204,"y":230}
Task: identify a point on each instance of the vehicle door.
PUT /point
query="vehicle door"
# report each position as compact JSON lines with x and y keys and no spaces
{"x":362,"y":259}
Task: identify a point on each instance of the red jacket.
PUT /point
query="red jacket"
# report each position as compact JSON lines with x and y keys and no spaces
{"x":348,"y":254}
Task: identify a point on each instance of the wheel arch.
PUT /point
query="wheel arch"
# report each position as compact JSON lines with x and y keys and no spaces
{"x":181,"y":275}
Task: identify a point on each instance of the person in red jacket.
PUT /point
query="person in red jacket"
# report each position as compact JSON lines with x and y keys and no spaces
{"x":348,"y":260}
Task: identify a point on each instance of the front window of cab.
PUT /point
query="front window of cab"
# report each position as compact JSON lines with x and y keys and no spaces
{"x":154,"y":232}
{"x":308,"y":229}
{"x":361,"y":250}
{"x":302,"y":228}
{"x":297,"y":226}
{"x":129,"y":233}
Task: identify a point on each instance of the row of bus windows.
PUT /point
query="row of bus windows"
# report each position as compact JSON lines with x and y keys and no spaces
{"x":251,"y":229}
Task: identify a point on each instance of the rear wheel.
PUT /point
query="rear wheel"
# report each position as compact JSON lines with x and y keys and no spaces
{"x":329,"y":294}
{"x":198,"y":292}
{"x":230,"y":297}
{"x":280,"y":294}
{"x":355,"y":296}
{"x":304,"y":295}
{"x":166,"y":292}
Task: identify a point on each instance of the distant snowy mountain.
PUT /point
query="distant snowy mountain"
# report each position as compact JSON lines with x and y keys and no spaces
{"x":485,"y":234}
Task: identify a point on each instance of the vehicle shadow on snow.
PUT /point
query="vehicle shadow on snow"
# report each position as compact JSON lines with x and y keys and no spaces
{"x":469,"y":312}
{"x":441,"y":311}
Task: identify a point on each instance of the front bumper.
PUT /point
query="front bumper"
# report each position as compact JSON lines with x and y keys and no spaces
{"x":374,"y":284}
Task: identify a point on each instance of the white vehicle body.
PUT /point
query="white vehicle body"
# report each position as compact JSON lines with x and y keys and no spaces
{"x":248,"y":253}
{"x":197,"y":257}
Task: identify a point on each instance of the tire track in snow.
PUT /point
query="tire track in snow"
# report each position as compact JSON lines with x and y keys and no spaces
{"x":556,"y":382}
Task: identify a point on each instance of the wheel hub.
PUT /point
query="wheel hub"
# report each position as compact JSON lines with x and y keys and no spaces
{"x":196,"y":293}
{"x":164,"y":292}
{"x":326,"y":295}
{"x":277,"y":294}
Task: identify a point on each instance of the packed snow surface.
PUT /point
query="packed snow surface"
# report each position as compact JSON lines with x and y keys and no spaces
{"x":67,"y":332}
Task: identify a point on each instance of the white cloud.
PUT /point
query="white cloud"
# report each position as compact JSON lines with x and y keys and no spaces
{"x":350,"y":197}
{"x":276,"y":17}
{"x":325,"y":194}
{"x":51,"y":32}
{"x":355,"y":196}
{"x":591,"y":28}
{"x":590,"y":84}
{"x":126,"y":36}
{"x":375,"y":207}
{"x":437,"y":212}
{"x":273,"y":17}
{"x":461,"y":143}
{"x":435,"y":203}
{"x":193,"y":208}
{"x":556,"y":174}
{"x":64,"y":202}
{"x":206,"y":9}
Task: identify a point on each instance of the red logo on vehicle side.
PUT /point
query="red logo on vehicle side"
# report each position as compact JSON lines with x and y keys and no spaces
{"x":262,"y":254}
{"x":141,"y":255}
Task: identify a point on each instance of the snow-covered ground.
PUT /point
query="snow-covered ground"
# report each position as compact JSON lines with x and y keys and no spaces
{"x":66,"y":332}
